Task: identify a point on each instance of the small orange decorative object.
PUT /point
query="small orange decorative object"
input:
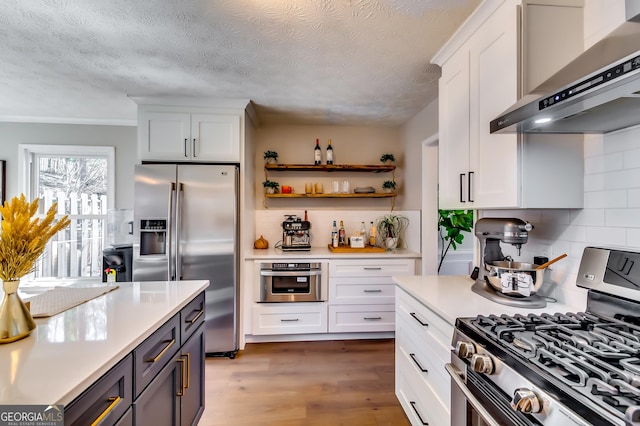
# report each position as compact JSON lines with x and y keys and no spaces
{"x":287,"y":189}
{"x":261,"y":243}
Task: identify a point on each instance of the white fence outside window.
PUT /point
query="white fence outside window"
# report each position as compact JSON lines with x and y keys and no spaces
{"x":76,"y":251}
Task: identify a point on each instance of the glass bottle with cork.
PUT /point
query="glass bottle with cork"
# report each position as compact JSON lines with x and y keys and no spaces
{"x":334,"y":235}
{"x":317,"y":154}
{"x":341,"y":235}
{"x":329,"y":152}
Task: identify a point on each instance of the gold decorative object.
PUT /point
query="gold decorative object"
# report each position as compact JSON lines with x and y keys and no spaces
{"x":22,"y":241}
{"x":261,"y":243}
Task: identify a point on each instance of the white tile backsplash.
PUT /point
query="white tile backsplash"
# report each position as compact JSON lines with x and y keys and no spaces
{"x":611,"y":216}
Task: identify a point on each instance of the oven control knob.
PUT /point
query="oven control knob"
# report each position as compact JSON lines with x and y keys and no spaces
{"x":481,"y":363}
{"x":526,"y":401}
{"x":465,"y":349}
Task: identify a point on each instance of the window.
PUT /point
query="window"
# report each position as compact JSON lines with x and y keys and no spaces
{"x":81,"y":180}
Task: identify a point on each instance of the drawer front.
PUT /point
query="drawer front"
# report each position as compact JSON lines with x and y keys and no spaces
{"x":287,"y":319}
{"x":191,"y":316}
{"x":361,"y":318}
{"x":426,"y":361}
{"x":154,"y":353}
{"x":423,"y":320}
{"x":108,"y":398}
{"x":371,"y":267}
{"x":372,"y":290}
{"x":419,"y":401}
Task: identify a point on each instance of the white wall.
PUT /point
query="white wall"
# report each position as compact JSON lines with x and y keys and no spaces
{"x":610,"y":218}
{"x":123,"y":138}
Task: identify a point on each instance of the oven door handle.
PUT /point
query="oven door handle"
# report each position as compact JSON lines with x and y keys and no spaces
{"x":267,"y":273}
{"x":456,"y":376}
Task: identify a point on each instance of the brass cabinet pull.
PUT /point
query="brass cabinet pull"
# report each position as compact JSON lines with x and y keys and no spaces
{"x":114,"y":401}
{"x":182,"y":374}
{"x":162,"y":352}
{"x":188,"y":355}
{"x":196,"y":317}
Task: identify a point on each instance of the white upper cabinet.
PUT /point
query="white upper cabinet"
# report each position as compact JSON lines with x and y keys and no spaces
{"x":189,"y":133}
{"x":486,"y":67}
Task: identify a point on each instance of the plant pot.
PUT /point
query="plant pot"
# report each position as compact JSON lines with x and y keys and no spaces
{"x":391,"y":243}
{"x":16,"y":321}
{"x":271,"y":161}
{"x":388,"y":190}
{"x":270,"y":190}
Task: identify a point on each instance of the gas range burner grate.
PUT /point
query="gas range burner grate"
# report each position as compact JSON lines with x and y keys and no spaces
{"x":597,"y":356}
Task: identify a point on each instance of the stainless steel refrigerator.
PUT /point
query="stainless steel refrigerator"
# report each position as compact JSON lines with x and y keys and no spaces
{"x":186,"y":228}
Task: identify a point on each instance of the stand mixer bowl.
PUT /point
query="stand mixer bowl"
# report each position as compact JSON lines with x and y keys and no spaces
{"x":498,"y":268}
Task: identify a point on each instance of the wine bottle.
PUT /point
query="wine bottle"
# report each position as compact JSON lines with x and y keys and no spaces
{"x":329,"y":152}
{"x":334,"y":235}
{"x":341,"y":234}
{"x":317,"y":154}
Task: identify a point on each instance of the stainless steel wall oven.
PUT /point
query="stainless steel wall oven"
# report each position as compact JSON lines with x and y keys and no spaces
{"x":291,"y":282}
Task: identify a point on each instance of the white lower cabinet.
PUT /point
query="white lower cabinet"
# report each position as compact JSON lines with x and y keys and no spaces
{"x":423,"y":344}
{"x":289,"y":318}
{"x":362,"y":293}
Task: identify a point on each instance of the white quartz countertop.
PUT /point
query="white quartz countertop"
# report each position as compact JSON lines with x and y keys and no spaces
{"x":325,"y":253}
{"x":67,"y":352}
{"x":451,"y":297}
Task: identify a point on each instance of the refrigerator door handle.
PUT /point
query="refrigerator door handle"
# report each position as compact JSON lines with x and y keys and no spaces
{"x":172,"y":253}
{"x":180,"y":195}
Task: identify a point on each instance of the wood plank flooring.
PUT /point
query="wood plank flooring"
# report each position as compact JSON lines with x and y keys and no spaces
{"x":346,"y":382}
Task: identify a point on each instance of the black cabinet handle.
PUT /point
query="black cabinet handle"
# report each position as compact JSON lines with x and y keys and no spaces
{"x":469,"y":187}
{"x":415,"y":360}
{"x":415,"y":317}
{"x":372,"y":318}
{"x":185,"y":148}
{"x":461,"y":187}
{"x":413,"y":405}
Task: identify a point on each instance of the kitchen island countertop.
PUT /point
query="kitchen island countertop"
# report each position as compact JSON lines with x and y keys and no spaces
{"x":451,"y":297}
{"x":69,"y":351}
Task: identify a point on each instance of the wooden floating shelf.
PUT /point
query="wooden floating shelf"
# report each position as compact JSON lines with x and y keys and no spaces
{"x":351,"y":195}
{"x":331,"y":168}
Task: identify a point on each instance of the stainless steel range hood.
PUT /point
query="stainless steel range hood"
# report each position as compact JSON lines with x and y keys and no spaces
{"x":598,"y":92}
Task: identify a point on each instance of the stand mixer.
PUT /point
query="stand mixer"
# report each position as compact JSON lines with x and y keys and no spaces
{"x":491,"y":232}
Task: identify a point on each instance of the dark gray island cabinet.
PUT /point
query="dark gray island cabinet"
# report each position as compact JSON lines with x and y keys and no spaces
{"x":159,"y":382}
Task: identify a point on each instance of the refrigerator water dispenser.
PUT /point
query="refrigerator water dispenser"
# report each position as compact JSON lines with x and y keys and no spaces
{"x":153,"y":236}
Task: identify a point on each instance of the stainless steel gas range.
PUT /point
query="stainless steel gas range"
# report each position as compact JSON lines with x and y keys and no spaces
{"x":580,"y":368}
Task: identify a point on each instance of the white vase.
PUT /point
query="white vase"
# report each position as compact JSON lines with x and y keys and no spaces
{"x":270,"y":190}
{"x":391,"y":243}
{"x":16,"y":321}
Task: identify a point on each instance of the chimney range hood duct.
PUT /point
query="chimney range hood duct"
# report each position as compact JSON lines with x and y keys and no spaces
{"x":598,"y":92}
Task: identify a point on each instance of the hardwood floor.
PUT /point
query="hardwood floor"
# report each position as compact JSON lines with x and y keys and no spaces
{"x":304,"y":383}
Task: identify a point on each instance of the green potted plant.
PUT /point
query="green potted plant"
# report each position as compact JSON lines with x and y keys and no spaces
{"x":270,"y":186}
{"x":270,"y":157}
{"x":390,"y":229}
{"x":451,"y":227}
{"x":387,"y":158}
{"x":389,"y":186}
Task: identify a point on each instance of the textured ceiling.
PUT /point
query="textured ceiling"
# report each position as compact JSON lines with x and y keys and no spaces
{"x":305,"y":61}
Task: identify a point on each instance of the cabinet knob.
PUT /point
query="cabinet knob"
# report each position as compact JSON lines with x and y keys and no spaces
{"x":526,"y":401}
{"x":481,"y":363}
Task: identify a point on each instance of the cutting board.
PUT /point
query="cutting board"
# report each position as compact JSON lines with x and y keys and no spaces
{"x":347,"y":249}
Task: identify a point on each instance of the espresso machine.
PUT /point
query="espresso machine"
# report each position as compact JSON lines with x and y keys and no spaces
{"x":296,"y":234}
{"x":491,"y":232}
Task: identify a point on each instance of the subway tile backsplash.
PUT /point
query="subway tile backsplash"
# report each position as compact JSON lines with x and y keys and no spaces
{"x":611,"y":216}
